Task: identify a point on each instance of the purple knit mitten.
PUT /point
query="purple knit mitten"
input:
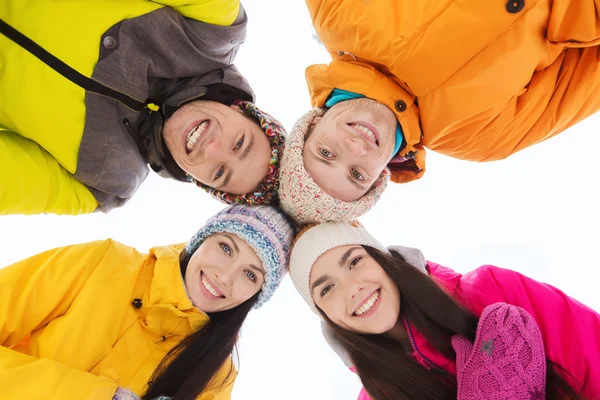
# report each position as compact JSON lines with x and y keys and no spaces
{"x":507,"y":360}
{"x":124,"y":394}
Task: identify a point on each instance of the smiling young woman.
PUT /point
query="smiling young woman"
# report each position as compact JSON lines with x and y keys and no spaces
{"x":101,"y":320}
{"x":406,"y":325}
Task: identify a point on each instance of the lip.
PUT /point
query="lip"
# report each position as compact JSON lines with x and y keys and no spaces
{"x":205,"y":292}
{"x":191,"y":126}
{"x":373,"y":308}
{"x":364,"y":135}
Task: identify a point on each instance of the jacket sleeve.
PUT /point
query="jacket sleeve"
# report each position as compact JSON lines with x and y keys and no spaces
{"x":34,"y":292}
{"x":556,"y":98}
{"x":216,"y":12}
{"x":33,"y":182}
{"x":570,"y":330}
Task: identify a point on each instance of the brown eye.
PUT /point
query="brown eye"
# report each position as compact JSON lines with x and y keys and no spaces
{"x":325,"y":290}
{"x":355,"y":262}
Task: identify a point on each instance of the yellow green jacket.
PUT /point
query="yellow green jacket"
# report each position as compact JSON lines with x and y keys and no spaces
{"x":69,"y":329}
{"x":66,"y":151}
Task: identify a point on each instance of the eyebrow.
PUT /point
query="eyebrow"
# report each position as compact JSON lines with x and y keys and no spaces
{"x":248,"y":147}
{"x":235,"y":246}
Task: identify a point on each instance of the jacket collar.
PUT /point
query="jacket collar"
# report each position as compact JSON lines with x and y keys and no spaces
{"x":168,"y":298}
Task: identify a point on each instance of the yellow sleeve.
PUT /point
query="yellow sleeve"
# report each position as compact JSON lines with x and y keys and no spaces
{"x":33,"y":182}
{"x":34,"y":292}
{"x":216,"y":12}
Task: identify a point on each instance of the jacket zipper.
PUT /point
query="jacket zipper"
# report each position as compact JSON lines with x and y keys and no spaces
{"x":427,"y":361}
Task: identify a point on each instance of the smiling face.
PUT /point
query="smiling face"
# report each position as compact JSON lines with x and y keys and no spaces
{"x":354,"y":291}
{"x":218,"y":145}
{"x":348,"y":148}
{"x":223,"y":273}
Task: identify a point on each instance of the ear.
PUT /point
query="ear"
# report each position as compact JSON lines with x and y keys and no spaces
{"x":237,"y":108}
{"x":314,"y":122}
{"x":311,"y":127}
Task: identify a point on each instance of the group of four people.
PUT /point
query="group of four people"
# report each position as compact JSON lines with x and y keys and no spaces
{"x":92,"y":93}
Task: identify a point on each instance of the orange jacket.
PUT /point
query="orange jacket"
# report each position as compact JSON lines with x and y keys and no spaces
{"x":472,"y":79}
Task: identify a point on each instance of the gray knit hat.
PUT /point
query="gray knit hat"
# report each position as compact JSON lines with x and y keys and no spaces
{"x":267,"y":231}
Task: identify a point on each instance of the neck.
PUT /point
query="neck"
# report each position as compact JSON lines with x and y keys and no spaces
{"x":398,"y":333}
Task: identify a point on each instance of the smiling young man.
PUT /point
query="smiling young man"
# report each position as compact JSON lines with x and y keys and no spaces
{"x":149,"y":83}
{"x":471,"y":80}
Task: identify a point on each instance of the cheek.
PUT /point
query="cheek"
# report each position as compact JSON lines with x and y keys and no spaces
{"x":244,"y":291}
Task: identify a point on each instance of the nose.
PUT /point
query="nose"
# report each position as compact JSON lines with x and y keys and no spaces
{"x":225,"y":276}
{"x":214,"y":150}
{"x":355,"y":290}
{"x":355,"y":146}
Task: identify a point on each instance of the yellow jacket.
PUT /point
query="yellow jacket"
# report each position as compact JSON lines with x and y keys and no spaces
{"x":476,"y":80}
{"x":69,"y":330}
{"x":43,"y":116}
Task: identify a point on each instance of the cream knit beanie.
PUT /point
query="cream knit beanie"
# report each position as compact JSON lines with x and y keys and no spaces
{"x":314,"y":240}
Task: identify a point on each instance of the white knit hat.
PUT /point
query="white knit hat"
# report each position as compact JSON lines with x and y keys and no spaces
{"x":300,"y":196}
{"x":315,"y":240}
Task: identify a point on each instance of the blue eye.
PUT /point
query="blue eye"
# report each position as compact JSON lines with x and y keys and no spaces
{"x":325,"y":153}
{"x":325,"y":290}
{"x":251,"y":275}
{"x":226,"y":249}
{"x":357,"y":175}
{"x":219,"y":173}
{"x":239,"y":143}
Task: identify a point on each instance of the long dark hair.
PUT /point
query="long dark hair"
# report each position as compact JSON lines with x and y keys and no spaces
{"x":189,"y":367}
{"x":386,"y":368}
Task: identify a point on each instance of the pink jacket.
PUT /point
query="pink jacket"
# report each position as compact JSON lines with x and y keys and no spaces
{"x":570,"y":330}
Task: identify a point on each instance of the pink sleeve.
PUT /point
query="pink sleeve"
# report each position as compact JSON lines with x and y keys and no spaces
{"x":571,"y":330}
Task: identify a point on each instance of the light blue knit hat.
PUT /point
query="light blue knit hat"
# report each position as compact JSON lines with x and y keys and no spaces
{"x":265,"y":228}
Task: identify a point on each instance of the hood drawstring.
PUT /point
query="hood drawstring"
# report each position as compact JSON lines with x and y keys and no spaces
{"x":163,"y":338}
{"x":342,"y":53}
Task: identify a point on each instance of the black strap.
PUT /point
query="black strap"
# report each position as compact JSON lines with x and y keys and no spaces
{"x":88,"y":84}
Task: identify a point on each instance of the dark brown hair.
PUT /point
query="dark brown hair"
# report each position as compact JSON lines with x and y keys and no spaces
{"x":188,"y":368}
{"x":386,"y":368}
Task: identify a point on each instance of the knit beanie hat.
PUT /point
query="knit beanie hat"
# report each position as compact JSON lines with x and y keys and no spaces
{"x":266,"y":229}
{"x":267,"y":189}
{"x":507,"y":360}
{"x":314,"y":240}
{"x":302,"y":198}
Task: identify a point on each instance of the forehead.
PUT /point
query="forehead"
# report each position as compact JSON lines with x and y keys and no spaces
{"x":328,"y":262}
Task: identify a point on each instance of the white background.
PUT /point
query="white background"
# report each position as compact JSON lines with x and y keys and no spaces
{"x":536,"y":213}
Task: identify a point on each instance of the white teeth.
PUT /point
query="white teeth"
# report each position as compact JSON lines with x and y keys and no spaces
{"x":368,"y":304}
{"x":209,"y":287}
{"x":194,"y":134}
{"x":366,"y":130}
